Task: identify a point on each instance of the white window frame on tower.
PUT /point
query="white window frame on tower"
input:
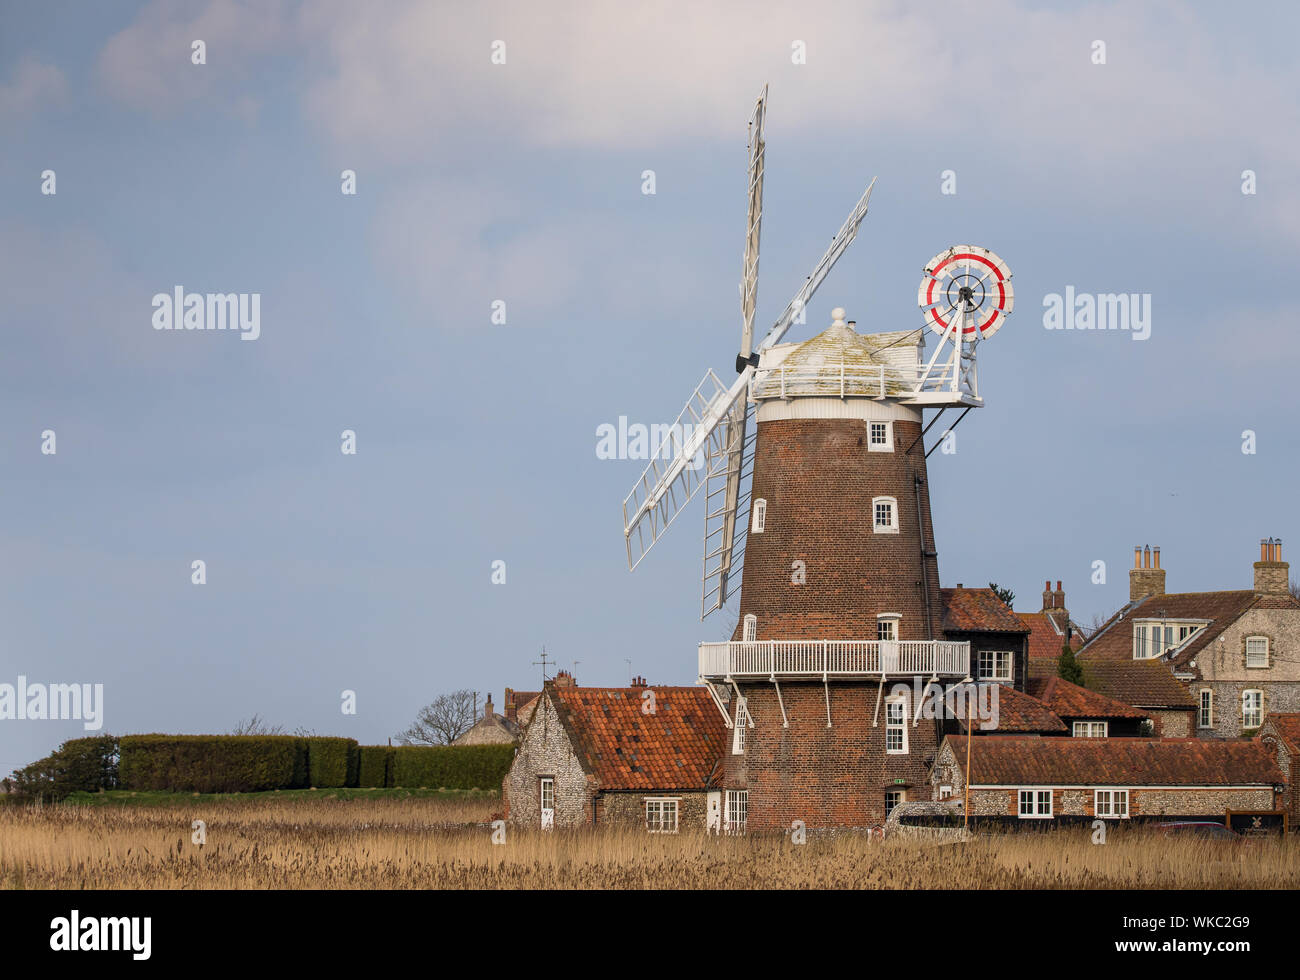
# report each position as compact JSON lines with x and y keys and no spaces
{"x":1259,"y":653}
{"x":898,"y":795}
{"x":896,"y":724}
{"x":892,"y":526}
{"x":760,"y":516}
{"x":887,"y":626}
{"x":738,"y":730}
{"x":886,"y":445}
{"x":735,"y":812}
{"x":749,"y":632}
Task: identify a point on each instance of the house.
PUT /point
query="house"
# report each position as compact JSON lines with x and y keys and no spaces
{"x":520,"y":705}
{"x":1089,"y":714}
{"x":637,"y":756}
{"x":998,"y":639}
{"x":1050,"y":630}
{"x":1017,"y":779}
{"x":1237,"y":652}
{"x":1281,"y":733}
{"x":491,"y":729}
{"x":1149,"y":686}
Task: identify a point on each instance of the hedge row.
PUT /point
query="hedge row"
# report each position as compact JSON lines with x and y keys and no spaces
{"x":254,"y":763}
{"x":213,"y":763}
{"x":452,"y":766}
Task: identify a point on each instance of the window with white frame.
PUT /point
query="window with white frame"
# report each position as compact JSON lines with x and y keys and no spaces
{"x":1091,"y":729}
{"x":1111,"y":803}
{"x":880,"y":437}
{"x":760,"y":516}
{"x":1153,"y":638}
{"x":737,"y":804}
{"x":896,"y":725}
{"x":1205,"y":716}
{"x":738,"y":732}
{"x":884,"y":512}
{"x":994,"y":665}
{"x":750,"y":633}
{"x":1252,"y":709}
{"x":887,"y":626}
{"x":661,"y":815}
{"x":893,"y":797}
{"x":945,"y":792}
{"x":1035,"y":804}
{"x":1257,"y":651}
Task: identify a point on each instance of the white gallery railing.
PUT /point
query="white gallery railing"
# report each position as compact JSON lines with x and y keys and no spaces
{"x":814,"y":658}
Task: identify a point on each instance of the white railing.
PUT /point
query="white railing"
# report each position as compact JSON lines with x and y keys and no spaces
{"x":849,"y":381}
{"x":839,"y":658}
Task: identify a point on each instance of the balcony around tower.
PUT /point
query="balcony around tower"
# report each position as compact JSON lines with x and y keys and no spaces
{"x":833,"y":659}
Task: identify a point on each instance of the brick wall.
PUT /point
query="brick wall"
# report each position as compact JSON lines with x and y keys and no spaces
{"x":826,"y":777}
{"x":818,"y":479}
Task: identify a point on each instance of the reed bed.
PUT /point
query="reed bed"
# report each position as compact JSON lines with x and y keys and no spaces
{"x":447,"y":844}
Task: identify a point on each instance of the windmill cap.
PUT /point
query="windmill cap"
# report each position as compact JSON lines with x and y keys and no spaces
{"x":837,"y":317}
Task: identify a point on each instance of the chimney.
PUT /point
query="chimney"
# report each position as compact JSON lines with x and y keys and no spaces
{"x":565,"y":679}
{"x":1146,"y":577}
{"x":1058,"y":597}
{"x":1271,"y":573}
{"x":487,"y":707}
{"x":512,"y":711}
{"x":639,"y":682}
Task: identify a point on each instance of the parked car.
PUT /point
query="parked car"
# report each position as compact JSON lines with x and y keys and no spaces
{"x":1199,"y":829}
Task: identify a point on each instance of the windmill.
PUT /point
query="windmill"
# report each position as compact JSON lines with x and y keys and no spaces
{"x":716,"y":416}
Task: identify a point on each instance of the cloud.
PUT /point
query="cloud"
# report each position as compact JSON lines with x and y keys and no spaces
{"x":31,"y":86}
{"x":147,"y":65}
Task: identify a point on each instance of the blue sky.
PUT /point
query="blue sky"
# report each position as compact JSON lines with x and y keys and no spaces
{"x":522,"y":181}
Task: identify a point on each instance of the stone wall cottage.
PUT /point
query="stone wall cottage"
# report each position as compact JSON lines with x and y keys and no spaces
{"x":1238,"y":653}
{"x":639,"y":756}
{"x":1024,"y":780}
{"x":1149,"y":686}
{"x":490,"y":729}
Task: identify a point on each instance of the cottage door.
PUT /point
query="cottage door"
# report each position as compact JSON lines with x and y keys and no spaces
{"x":713,"y":812}
{"x":548,"y":803}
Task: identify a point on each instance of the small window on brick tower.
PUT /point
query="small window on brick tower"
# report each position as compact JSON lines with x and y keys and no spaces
{"x":760,"y":516}
{"x":750,"y":633}
{"x":880,"y":437}
{"x":884,"y":511}
{"x":887,"y":626}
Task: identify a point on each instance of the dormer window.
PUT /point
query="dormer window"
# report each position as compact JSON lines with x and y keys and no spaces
{"x":880,"y":437}
{"x":760,"y":516}
{"x":884,"y":511}
{"x":1155,"y":637}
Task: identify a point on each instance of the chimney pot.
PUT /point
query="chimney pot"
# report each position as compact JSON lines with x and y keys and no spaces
{"x":1155,"y":557}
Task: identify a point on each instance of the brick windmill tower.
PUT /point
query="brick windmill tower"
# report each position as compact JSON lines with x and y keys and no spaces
{"x":814,"y":469}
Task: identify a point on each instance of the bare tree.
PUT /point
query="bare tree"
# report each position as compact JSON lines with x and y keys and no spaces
{"x":1294,"y":589}
{"x":441,"y":722}
{"x":256,"y":725}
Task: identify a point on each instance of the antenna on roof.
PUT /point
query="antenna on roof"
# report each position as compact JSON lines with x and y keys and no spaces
{"x":544,"y":663}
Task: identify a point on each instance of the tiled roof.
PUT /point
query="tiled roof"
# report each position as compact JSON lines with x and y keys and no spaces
{"x":1045,"y":638}
{"x":978,"y":611}
{"x":1114,"y":641}
{"x":1017,"y":760}
{"x":1071,"y":701}
{"x":1018,"y":712}
{"x":1287,"y":726}
{"x":678,"y":746}
{"x":1141,"y":683}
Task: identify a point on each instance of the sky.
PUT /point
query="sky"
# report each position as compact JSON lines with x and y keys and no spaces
{"x":499,"y":152}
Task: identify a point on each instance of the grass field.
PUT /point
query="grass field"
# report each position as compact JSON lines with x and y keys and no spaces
{"x":427,"y":839}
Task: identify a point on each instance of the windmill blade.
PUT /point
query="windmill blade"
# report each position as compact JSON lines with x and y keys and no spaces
{"x":670,"y":481}
{"x":749,"y":271}
{"x":843,"y":238}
